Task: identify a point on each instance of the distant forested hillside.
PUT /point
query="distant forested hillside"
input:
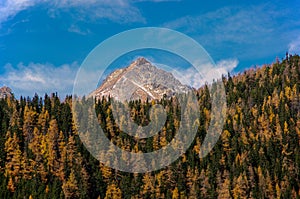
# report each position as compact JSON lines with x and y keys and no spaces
{"x":257,"y":155}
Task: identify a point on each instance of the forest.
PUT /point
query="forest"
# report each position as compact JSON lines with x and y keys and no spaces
{"x":257,"y":155}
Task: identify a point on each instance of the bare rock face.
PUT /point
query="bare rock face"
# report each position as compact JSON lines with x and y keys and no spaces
{"x":5,"y":92}
{"x":140,"y":80}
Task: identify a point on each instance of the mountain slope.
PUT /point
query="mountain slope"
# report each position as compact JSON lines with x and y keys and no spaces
{"x":140,"y":80}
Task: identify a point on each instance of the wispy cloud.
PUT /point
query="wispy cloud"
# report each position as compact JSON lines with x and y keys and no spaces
{"x":9,"y":8}
{"x":76,"y":29}
{"x":39,"y":78}
{"x":260,"y":29}
{"x":194,"y":78}
{"x":120,"y":11}
{"x":229,"y":23}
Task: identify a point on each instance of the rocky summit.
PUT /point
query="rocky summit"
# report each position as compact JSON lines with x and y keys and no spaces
{"x":140,"y":80}
{"x":5,"y":92}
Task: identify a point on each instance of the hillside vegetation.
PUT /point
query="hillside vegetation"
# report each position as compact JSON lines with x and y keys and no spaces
{"x":257,"y":155}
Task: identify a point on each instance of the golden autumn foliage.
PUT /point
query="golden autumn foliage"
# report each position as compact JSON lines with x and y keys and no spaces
{"x":256,"y":156}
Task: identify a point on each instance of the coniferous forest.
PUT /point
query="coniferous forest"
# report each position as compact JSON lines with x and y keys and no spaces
{"x":257,"y":155}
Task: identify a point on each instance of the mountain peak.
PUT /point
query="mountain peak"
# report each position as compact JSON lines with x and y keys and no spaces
{"x":140,"y":80}
{"x":141,"y":61}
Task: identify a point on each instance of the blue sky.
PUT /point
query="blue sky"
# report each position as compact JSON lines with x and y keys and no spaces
{"x":43,"y":42}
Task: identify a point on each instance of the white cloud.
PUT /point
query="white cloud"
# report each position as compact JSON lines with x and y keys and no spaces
{"x":76,"y":29}
{"x":9,"y":8}
{"x":192,"y":77}
{"x":227,"y":65}
{"x":294,"y":46}
{"x":120,"y":11}
{"x":39,"y":78}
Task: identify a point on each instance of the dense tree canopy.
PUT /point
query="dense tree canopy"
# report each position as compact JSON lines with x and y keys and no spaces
{"x":257,"y":156}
